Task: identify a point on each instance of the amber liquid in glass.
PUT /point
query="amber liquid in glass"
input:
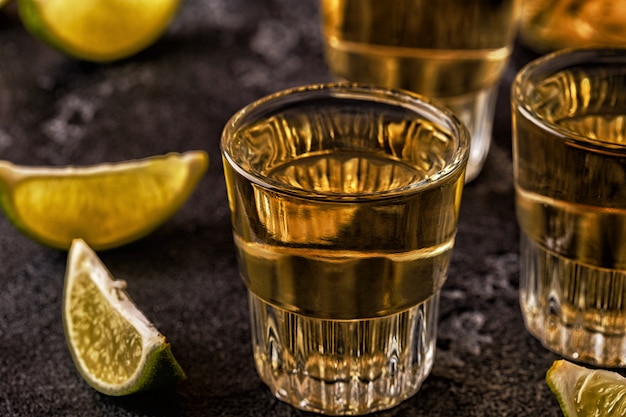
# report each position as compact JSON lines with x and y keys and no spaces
{"x":344,"y":290}
{"x":571,"y":207}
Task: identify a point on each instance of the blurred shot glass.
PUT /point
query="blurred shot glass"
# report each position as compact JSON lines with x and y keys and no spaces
{"x":344,"y":202}
{"x":569,"y":149}
{"x":453,"y":50}
{"x":550,"y":25}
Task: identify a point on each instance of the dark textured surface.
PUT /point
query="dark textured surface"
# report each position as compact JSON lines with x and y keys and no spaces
{"x":177,"y":95}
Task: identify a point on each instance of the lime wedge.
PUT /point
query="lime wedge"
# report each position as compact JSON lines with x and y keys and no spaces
{"x":98,"y":30}
{"x":107,"y":205}
{"x":584,"y":392}
{"x":114,"y":346}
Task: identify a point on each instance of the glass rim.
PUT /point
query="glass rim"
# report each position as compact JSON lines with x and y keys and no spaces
{"x":552,"y":63}
{"x":418,"y":104}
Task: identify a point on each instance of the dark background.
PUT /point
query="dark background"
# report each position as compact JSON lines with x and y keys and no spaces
{"x":217,"y":56}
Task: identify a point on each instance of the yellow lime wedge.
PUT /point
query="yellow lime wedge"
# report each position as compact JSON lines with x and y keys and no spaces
{"x":107,"y":205}
{"x":98,"y":30}
{"x":584,"y":392}
{"x":114,"y":346}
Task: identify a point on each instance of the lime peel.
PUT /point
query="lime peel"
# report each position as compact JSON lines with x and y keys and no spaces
{"x":102,"y":325}
{"x":107,"y":205}
{"x":583,"y":392}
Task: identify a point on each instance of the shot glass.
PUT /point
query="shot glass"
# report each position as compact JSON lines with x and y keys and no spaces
{"x":344,"y":203}
{"x":569,"y":150}
{"x":453,"y":50}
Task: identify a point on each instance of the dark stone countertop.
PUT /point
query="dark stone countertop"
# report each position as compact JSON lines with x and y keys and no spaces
{"x":217,"y":56}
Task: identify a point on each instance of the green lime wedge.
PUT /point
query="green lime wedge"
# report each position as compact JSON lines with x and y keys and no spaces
{"x":114,"y":346}
{"x":584,"y":392}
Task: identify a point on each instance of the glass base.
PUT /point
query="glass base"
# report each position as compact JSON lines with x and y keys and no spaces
{"x":343,"y":367}
{"x":476,"y":111}
{"x":575,"y":310}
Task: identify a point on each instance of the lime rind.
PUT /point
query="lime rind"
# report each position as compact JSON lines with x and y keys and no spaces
{"x":163,"y":370}
{"x":92,"y":203}
{"x":156,"y":366}
{"x":34,"y":24}
{"x":583,"y":392}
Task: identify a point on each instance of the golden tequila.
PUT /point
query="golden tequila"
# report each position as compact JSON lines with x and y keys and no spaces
{"x":344,"y":245}
{"x":571,"y":208}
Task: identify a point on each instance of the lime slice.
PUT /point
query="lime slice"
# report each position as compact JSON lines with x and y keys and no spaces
{"x":106,"y":205}
{"x":114,"y":346}
{"x":98,"y":30}
{"x":584,"y":392}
